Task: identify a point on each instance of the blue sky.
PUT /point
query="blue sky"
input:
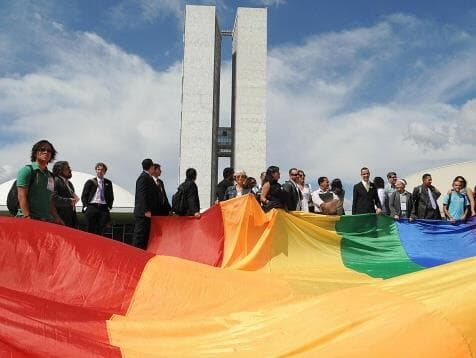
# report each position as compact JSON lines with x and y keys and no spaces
{"x":387,"y":84}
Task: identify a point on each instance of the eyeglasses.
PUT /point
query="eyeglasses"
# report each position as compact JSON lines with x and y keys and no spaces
{"x":301,"y":175}
{"x":240,"y":176}
{"x":48,"y":150}
{"x":294,"y":174}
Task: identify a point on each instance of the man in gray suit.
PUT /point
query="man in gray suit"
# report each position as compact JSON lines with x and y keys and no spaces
{"x":424,"y":200}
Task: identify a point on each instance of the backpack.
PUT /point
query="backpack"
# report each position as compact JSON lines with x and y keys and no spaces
{"x":12,"y":198}
{"x":179,"y":206}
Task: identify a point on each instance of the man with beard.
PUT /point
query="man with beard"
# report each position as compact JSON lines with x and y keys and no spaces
{"x":64,"y":197}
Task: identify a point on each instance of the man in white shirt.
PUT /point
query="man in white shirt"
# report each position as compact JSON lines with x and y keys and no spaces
{"x":97,"y":199}
{"x":322,"y":197}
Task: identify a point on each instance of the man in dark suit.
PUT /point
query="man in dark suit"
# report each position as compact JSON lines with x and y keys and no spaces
{"x":187,"y":192}
{"x":64,"y":197}
{"x":294,"y":195}
{"x":163,"y":208}
{"x":425,"y":198}
{"x":225,"y":183}
{"x":146,"y":203}
{"x":365,"y":197}
{"x":97,"y":198}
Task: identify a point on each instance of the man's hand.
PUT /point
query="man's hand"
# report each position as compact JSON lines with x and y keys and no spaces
{"x":197,"y":215}
{"x":378,"y":211}
{"x":396,"y":217}
{"x":148,"y":214}
{"x":57,"y":220}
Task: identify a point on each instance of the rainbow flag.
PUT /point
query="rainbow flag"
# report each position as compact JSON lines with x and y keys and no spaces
{"x":238,"y":282}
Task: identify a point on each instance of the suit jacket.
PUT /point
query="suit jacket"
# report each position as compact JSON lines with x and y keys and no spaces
{"x":364,"y":202}
{"x":394,"y":204}
{"x":294,"y":195}
{"x":221,"y":188}
{"x":422,"y":208}
{"x":62,"y":200}
{"x":164,"y":207}
{"x":89,"y":190}
{"x":146,"y":196}
{"x":192,"y":200}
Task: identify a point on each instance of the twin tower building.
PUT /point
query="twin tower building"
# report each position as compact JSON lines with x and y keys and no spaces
{"x":202,"y":140}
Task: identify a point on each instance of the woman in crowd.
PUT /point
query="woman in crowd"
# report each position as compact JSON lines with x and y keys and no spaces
{"x":337,"y":189}
{"x":272,"y":195}
{"x":465,"y":190}
{"x":306,"y":203}
{"x":239,"y":188}
{"x":380,"y":185}
{"x":400,"y":201}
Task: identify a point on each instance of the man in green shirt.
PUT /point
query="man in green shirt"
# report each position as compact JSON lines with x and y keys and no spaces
{"x":34,"y":195}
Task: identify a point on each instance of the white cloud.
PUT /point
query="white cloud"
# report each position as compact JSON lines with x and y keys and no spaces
{"x":343,"y":100}
{"x":94,"y":102}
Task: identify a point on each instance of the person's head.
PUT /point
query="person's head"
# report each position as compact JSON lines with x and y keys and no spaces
{"x":400,"y":185}
{"x":301,"y":177}
{"x":250,"y":183}
{"x":462,"y":180}
{"x":379,"y":183}
{"x":365,"y":174}
{"x":62,"y":169}
{"x":240,"y":177}
{"x":147,"y":164}
{"x":191,"y":174}
{"x":157,"y":170}
{"x":228,"y":173}
{"x":272,"y":174}
{"x":457,"y":186}
{"x":392,"y":178}
{"x":262,"y":176}
{"x":336,"y":185}
{"x":323,"y":183}
{"x":101,"y":170}
{"x":426,"y":179}
{"x":293,"y":174}
{"x":43,"y":151}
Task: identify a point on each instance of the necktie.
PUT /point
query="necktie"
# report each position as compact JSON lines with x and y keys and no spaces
{"x":432,"y":200}
{"x":367,"y":186}
{"x":101,"y":190}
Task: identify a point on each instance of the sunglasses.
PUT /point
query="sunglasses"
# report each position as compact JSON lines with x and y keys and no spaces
{"x":48,"y":150}
{"x":240,"y":176}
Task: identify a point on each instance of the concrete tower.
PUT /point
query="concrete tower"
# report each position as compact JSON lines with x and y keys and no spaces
{"x":202,"y":141}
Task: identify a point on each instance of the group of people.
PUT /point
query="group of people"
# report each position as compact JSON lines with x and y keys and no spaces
{"x":389,"y":198}
{"x":50,"y":196}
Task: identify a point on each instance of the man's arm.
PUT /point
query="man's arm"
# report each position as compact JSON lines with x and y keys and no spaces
{"x":54,"y":213}
{"x":23,"y":201}
{"x":58,"y":200}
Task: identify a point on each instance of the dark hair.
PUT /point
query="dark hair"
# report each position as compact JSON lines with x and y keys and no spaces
{"x":462,"y":179}
{"x":36,"y":147}
{"x":391,"y":174}
{"x":424,"y":176}
{"x":290,"y":170}
{"x":364,"y":168}
{"x":228,"y":172}
{"x":101,"y":164}
{"x":269,"y":173}
{"x":249,"y":183}
{"x":59,"y":166}
{"x":147,"y":164}
{"x":157,"y":166}
{"x":191,"y":174}
{"x":336,"y":186}
{"x":379,"y":183}
{"x":320,"y":180}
